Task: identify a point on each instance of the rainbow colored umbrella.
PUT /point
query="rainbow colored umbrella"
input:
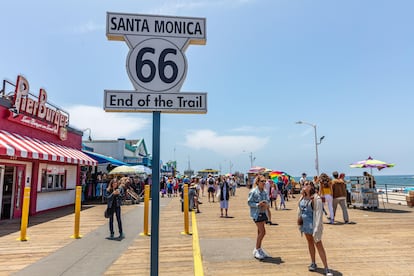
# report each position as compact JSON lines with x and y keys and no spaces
{"x":274,"y":175}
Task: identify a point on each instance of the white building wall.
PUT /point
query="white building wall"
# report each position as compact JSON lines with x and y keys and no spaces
{"x":108,"y":148}
{"x":54,"y":199}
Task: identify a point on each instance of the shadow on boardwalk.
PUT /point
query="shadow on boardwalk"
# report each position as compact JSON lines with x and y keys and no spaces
{"x":13,"y":225}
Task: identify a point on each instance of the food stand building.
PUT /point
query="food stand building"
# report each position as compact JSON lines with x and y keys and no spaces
{"x":38,"y":150}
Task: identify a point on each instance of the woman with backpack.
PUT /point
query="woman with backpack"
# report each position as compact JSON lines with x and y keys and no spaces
{"x":211,"y":187}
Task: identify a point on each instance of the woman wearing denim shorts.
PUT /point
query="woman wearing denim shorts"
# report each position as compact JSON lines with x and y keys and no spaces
{"x":310,"y":210}
{"x":258,"y":202}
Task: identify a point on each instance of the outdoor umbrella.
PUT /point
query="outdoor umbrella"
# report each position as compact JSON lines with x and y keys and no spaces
{"x":274,"y":175}
{"x":256,"y":169}
{"x":123,"y":170}
{"x":141,"y":169}
{"x":371,"y":163}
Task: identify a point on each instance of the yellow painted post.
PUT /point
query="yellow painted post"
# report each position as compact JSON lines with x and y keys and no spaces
{"x":76,"y":234}
{"x":25,"y":214}
{"x":198,"y":262}
{"x":146,"y":210}
{"x":185,"y":211}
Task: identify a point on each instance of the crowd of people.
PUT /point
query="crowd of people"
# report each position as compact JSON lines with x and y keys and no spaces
{"x":318,"y":196}
{"x":217,"y":189}
{"x":94,"y":186}
{"x":315,"y":194}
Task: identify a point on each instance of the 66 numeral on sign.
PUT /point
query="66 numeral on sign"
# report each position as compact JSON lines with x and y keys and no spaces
{"x":162,"y":64}
{"x":157,"y":65}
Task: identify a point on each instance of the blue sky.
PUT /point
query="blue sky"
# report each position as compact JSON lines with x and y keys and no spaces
{"x":346,"y":66}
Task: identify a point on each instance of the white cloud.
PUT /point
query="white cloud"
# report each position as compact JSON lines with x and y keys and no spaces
{"x":171,"y":7}
{"x":105,"y":125}
{"x":226,"y":144}
{"x":89,"y":27}
{"x":253,"y":129}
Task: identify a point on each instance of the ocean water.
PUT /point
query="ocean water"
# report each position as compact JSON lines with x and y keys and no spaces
{"x":391,"y":182}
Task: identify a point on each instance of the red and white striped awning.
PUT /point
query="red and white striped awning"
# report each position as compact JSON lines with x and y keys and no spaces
{"x":13,"y":144}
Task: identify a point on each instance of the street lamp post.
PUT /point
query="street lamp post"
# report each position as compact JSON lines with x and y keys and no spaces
{"x":252,"y":158}
{"x":316,"y":143}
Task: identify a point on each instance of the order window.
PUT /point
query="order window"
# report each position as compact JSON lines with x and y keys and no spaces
{"x":53,"y":180}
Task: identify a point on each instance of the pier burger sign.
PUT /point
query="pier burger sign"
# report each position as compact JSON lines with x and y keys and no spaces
{"x":36,"y":112}
{"x":156,"y":63}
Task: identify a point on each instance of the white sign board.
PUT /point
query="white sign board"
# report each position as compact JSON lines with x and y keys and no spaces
{"x":156,"y":60}
{"x":120,"y":25}
{"x":132,"y":101}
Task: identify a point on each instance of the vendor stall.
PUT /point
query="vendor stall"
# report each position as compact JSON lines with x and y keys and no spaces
{"x":362,"y":196}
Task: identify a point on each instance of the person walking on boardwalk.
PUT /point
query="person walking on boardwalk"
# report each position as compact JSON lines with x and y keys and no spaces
{"x":281,"y":192}
{"x":326,"y":192}
{"x":258,"y":201}
{"x":310,"y":220}
{"x":302,"y":180}
{"x":224,"y":195}
{"x":193,"y":197}
{"x":211,"y":187}
{"x":273,"y":194}
{"x":115,"y":194}
{"x":339,"y":195}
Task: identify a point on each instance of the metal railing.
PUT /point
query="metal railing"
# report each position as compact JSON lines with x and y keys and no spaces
{"x":393,"y":193}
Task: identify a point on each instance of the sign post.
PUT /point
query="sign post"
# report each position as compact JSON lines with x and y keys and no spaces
{"x":157,"y":67}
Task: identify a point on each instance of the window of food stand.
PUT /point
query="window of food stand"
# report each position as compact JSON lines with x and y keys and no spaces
{"x":53,"y":178}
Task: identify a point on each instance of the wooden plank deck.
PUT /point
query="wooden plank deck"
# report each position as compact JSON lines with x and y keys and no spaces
{"x":380,"y":242}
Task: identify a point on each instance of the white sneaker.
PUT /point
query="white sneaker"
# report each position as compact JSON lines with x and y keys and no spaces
{"x":328,"y":272}
{"x":258,"y":255}
{"x":263,"y":253}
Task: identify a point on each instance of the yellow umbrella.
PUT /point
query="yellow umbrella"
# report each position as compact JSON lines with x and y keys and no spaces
{"x":123,"y":170}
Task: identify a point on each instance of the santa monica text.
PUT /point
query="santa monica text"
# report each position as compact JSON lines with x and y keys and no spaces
{"x":129,"y":24}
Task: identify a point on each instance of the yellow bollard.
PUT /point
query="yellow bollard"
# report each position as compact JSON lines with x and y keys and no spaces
{"x":25,"y":215}
{"x":146,"y":210}
{"x":185,"y":211}
{"x":77,"y":212}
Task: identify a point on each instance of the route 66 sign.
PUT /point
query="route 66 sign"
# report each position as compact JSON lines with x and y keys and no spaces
{"x":156,"y":60}
{"x":157,"y":65}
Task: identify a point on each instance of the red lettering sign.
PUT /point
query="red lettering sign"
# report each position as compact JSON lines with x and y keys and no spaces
{"x":36,"y":112}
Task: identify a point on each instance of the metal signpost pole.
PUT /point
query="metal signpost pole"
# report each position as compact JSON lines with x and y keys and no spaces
{"x":155,"y":199}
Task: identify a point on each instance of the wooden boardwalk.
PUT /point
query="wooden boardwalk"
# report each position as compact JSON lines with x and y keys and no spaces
{"x":378,"y":242}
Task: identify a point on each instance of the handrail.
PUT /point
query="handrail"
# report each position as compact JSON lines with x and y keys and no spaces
{"x":3,"y":89}
{"x":393,"y":193}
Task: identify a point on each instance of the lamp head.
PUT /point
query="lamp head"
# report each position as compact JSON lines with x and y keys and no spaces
{"x":299,"y":122}
{"x":89,"y":137}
